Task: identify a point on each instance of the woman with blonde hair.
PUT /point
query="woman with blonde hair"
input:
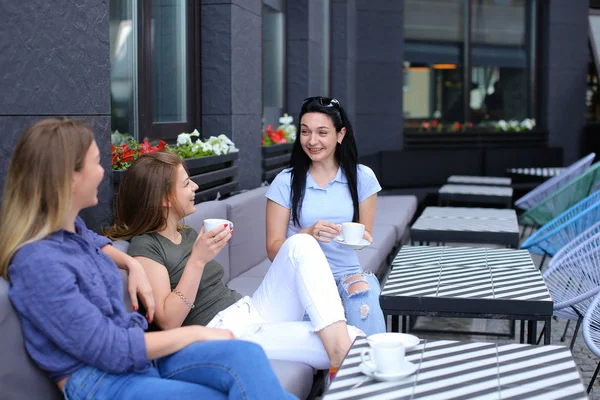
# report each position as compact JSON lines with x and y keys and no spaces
{"x":68,"y":294}
{"x":154,"y":195}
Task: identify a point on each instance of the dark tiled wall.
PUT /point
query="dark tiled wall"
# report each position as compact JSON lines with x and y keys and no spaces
{"x":55,"y":62}
{"x":232,"y":79}
{"x":563,"y":63}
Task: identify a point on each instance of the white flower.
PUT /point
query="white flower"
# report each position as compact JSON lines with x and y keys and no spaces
{"x":217,"y":150}
{"x":528,"y":124}
{"x":502,"y":125}
{"x":233,"y":149}
{"x":183,"y":139}
{"x":224,"y":139}
{"x":195,"y":133}
{"x":194,"y":149}
{"x":286,"y":119}
{"x":206,"y":147}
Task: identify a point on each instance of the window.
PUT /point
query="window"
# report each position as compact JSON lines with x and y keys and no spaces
{"x":468,"y":60}
{"x":155,"y":67}
{"x":273,"y":61}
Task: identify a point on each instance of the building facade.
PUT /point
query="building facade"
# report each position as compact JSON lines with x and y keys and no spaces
{"x":157,"y":68}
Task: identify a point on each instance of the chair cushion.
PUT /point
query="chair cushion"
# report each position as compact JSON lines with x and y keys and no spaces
{"x":247,"y":283}
{"x":296,"y":378}
{"x":20,"y":378}
{"x":371,"y":259}
{"x":247,"y":247}
{"x":384,"y":237}
{"x":397,"y":211}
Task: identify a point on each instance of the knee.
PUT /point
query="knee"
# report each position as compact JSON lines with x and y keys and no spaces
{"x":244,"y":351}
{"x":302,"y":241}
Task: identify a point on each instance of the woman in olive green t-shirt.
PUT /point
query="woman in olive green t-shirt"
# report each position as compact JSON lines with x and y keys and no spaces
{"x":154,"y":195}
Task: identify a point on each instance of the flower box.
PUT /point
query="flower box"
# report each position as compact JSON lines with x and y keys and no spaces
{"x":216,"y":176}
{"x":275,"y":158}
{"x":476,"y":138}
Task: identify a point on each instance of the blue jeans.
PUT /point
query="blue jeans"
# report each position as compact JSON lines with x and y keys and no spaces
{"x":231,"y":369}
{"x":362,"y":306}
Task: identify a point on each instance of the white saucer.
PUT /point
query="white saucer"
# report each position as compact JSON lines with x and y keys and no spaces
{"x":409,"y":341}
{"x":408,"y":368}
{"x":356,"y":246}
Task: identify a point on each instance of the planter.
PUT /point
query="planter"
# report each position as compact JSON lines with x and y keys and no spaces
{"x":275,"y":158}
{"x":476,"y":138}
{"x":216,"y":176}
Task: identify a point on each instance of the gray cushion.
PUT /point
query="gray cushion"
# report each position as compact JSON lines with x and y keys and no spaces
{"x":384,"y":237}
{"x":249,"y":281}
{"x":397,"y":211}
{"x":295,"y":377}
{"x":371,"y":259}
{"x":20,"y":378}
{"x":247,"y":247}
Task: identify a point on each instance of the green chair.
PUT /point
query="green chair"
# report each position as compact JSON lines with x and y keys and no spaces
{"x":559,"y":201}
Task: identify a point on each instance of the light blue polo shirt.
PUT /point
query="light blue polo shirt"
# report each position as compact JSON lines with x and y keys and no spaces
{"x":331,"y":203}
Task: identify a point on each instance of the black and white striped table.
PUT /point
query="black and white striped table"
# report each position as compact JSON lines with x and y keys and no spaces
{"x":459,"y":370}
{"x":466,"y":224}
{"x":475,"y":194}
{"x":479,"y":180}
{"x":468,"y":283}
{"x":532,"y":175}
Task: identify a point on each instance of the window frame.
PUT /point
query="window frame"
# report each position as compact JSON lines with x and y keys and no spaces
{"x":168,"y":131}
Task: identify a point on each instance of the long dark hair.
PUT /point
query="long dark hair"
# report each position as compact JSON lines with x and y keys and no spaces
{"x":346,"y":154}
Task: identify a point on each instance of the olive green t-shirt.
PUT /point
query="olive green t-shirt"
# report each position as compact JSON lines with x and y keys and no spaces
{"x":213,"y":296}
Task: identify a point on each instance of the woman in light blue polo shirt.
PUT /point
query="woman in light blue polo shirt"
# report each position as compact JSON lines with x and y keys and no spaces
{"x":324,"y":188}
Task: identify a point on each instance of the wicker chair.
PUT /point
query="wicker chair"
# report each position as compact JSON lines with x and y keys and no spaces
{"x":591,"y":333}
{"x":553,"y":184}
{"x":554,"y":235}
{"x":574,"y":280}
{"x":563,"y":198}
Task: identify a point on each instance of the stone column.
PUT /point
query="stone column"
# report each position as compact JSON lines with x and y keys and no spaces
{"x":304,"y":19}
{"x":563,"y":67}
{"x":232,"y":79}
{"x":55,"y":62}
{"x":343,"y":54}
{"x":379,"y":78}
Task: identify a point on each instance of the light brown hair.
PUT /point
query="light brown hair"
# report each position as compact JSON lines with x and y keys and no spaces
{"x":145,"y":186}
{"x":38,"y":188}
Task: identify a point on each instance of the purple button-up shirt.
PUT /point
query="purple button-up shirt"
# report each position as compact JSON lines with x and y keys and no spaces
{"x":69,"y":297}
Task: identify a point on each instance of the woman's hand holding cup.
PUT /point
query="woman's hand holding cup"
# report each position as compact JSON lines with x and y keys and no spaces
{"x":213,"y":236}
{"x":324,"y":230}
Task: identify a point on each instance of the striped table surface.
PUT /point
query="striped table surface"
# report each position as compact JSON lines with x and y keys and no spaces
{"x":476,"y":190}
{"x":460,"y":370}
{"x":469,"y":213}
{"x":467,"y":219}
{"x":541,"y":172}
{"x":479,"y":180}
{"x":461,"y":273}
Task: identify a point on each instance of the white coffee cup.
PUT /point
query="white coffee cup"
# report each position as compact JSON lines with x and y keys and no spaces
{"x":385,"y":355}
{"x":352,"y":232}
{"x":212,"y":223}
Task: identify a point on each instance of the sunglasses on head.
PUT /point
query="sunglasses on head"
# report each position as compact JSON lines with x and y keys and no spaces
{"x":324,"y":101}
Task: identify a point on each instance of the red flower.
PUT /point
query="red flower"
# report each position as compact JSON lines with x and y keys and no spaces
{"x":278,"y":136}
{"x":146,"y":148}
{"x":457,"y":126}
{"x":434,"y":124}
{"x":426,"y":125}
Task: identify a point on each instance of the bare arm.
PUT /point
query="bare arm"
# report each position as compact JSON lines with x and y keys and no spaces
{"x":277,"y":223}
{"x":171,"y":310}
{"x":160,"y":344}
{"x":367,"y":215}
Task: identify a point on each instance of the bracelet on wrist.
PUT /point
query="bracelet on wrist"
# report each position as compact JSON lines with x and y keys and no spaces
{"x":186,"y":301}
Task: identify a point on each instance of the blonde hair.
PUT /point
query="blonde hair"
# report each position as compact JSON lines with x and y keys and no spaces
{"x":138,"y":207}
{"x":38,"y":189}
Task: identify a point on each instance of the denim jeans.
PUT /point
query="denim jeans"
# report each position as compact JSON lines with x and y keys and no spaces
{"x":231,"y":369}
{"x":362,"y":307}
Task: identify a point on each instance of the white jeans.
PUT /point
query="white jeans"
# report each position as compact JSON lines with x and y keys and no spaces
{"x":298,"y":281}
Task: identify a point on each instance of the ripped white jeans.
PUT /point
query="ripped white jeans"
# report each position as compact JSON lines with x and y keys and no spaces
{"x":298,"y":281}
